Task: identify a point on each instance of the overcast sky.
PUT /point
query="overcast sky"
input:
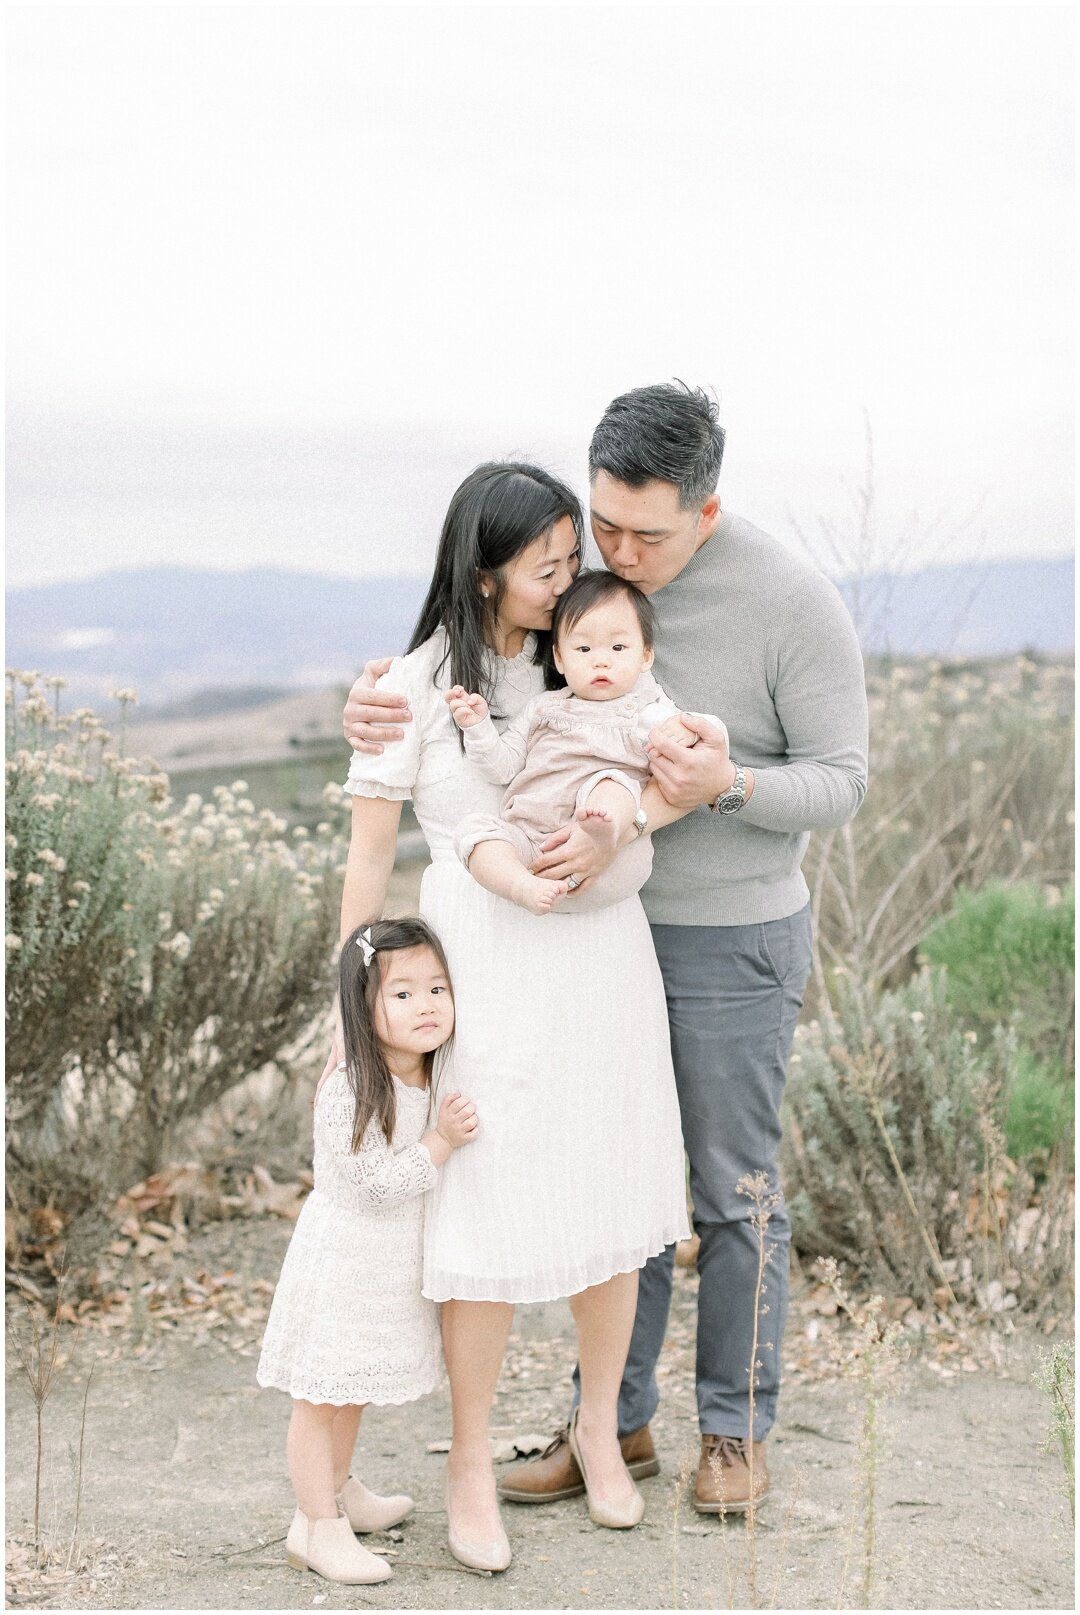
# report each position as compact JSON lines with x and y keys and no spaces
{"x":268,"y":265}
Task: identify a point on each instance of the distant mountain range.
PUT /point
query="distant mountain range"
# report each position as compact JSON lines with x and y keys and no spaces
{"x":197,"y":640}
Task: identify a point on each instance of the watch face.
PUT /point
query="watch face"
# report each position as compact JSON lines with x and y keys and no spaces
{"x":730,"y":803}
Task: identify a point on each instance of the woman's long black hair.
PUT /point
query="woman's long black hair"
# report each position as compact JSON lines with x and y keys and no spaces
{"x":498,"y":511}
{"x":365,"y":1065}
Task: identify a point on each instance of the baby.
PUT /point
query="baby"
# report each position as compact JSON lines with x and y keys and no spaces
{"x":569,"y":750}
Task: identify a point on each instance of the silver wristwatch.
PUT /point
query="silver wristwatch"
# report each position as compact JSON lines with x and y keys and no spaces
{"x":640,"y":821}
{"x":731,"y":800}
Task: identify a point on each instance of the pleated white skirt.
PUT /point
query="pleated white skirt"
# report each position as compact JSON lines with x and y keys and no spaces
{"x":562,"y":1042}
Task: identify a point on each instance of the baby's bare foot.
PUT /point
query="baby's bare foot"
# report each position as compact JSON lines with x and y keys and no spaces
{"x":538,"y":895}
{"x":598,"y":823}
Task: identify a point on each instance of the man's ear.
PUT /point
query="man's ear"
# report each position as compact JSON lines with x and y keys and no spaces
{"x":707,"y":519}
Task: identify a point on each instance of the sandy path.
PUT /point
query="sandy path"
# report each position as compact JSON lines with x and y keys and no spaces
{"x":185,"y":1490}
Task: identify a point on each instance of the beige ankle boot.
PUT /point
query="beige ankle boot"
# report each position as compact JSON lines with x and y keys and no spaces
{"x":367,"y":1511}
{"x":329,"y":1548}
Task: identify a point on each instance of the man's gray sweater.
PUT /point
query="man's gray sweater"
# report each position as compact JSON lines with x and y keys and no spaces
{"x":753,"y":633}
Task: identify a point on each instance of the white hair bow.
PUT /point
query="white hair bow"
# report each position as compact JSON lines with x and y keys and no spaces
{"x":364,"y":942}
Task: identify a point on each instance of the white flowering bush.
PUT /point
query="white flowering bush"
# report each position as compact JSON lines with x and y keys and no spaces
{"x":156,"y":956}
{"x":75,"y":933}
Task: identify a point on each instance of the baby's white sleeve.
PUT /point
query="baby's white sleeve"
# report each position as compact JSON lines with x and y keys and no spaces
{"x":393,"y":772}
{"x":500,"y":757}
{"x":659,"y":711}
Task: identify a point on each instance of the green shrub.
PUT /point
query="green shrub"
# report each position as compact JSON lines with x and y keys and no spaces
{"x":1009,"y":953}
{"x":1038,"y":1110}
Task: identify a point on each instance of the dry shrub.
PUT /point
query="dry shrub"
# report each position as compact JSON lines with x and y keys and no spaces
{"x":893,"y":1157}
{"x":971,"y":778}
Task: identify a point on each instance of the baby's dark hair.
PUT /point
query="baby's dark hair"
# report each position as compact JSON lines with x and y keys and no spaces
{"x":590,"y":589}
{"x":359,"y":982}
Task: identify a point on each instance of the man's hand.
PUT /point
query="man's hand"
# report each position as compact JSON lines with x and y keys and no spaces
{"x":467,"y":709}
{"x":689,"y":776}
{"x":572,"y":851}
{"x":372,"y":716}
{"x":675,"y":729}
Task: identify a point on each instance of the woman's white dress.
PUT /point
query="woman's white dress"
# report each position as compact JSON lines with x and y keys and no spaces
{"x":348,"y":1323}
{"x":561,"y":1040}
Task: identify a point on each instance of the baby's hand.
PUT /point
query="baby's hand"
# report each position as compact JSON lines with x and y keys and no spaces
{"x":457,"y":1120}
{"x":675,"y":730}
{"x":467,"y":709}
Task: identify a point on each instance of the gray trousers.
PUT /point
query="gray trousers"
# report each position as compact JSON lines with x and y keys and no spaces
{"x":733,"y":993}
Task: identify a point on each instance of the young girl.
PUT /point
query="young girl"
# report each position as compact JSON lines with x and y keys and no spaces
{"x":579,"y":752}
{"x":348,"y":1325}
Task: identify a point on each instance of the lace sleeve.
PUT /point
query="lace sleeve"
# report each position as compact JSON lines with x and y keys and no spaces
{"x":378,"y":1175}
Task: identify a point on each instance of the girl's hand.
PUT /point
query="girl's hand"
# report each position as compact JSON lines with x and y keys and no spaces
{"x":457,"y":1122}
{"x":467,"y":709}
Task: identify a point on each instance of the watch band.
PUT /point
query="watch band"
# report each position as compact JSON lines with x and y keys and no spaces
{"x":731,"y":800}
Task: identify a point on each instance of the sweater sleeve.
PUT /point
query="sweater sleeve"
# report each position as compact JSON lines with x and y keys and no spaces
{"x":820,"y":700}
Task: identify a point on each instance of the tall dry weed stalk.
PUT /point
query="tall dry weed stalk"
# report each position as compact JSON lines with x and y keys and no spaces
{"x":80,"y":1470}
{"x":37,"y":1350}
{"x":1056,"y":1378}
{"x":871,"y":1359}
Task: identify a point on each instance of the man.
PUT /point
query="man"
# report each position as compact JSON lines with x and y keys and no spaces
{"x":750,"y":631}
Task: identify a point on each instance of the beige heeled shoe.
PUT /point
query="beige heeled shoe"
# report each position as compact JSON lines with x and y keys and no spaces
{"x":367,"y":1511}
{"x":493,"y":1555}
{"x":619,"y":1515}
{"x":329,"y":1548}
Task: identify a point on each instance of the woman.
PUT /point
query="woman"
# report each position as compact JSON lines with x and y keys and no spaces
{"x":562,"y":1038}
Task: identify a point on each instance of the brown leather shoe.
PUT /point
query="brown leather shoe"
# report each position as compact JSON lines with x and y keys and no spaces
{"x":555,"y":1474}
{"x":723,"y":1477}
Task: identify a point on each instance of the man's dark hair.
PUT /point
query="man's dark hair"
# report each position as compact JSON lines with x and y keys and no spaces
{"x":669,"y":433}
{"x":589,"y":589}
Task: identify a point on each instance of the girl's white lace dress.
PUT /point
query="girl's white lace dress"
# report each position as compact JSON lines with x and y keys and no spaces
{"x":561,"y":1039}
{"x":348,"y":1323}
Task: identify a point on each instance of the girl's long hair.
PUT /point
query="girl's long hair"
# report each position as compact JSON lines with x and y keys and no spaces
{"x":359,"y":983}
{"x":499,"y":510}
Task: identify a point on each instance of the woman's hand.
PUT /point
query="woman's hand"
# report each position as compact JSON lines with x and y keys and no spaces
{"x":467,"y":709}
{"x":457,"y":1122}
{"x":335,"y":1058}
{"x":372,"y":716}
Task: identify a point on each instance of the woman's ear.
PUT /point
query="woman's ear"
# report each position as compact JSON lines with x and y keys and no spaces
{"x":486,"y":584}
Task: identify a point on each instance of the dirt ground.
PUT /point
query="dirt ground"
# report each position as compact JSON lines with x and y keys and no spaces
{"x":185,"y":1499}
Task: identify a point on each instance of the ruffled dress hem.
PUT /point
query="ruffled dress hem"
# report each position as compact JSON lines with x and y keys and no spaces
{"x":281,"y":1381}
{"x":551,"y":1287}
